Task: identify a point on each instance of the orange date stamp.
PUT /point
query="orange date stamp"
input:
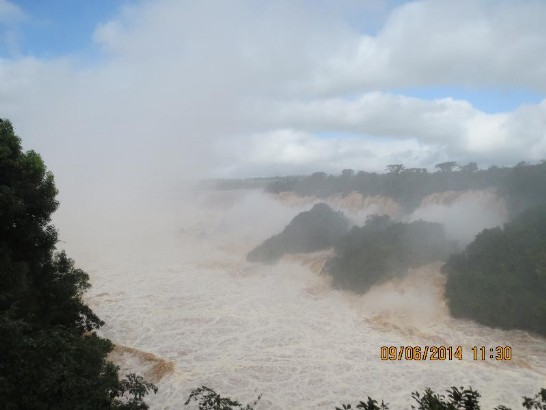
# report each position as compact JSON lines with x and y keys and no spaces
{"x":441,"y":353}
{"x":421,"y":352}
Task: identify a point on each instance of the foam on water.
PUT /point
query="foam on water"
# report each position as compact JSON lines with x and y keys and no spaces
{"x":188,"y":296}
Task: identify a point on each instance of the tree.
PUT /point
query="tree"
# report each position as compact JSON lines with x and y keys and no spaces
{"x":461,"y":398}
{"x":309,"y":231}
{"x":415,"y":170}
{"x":456,"y":399}
{"x":538,"y":402}
{"x":470,"y":167}
{"x":208,"y":399}
{"x":500,"y":278}
{"x":319,"y":176}
{"x":51,"y":356}
{"x":370,"y":404}
{"x":395,"y":169}
{"x":383,"y":249}
{"x":446,"y":166}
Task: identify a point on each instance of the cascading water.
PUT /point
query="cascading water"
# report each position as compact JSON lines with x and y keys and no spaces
{"x":182,"y":294}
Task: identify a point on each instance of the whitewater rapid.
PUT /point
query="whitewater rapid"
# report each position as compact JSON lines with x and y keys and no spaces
{"x":184,"y":295}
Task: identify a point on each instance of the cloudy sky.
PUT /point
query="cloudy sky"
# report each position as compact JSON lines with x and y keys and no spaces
{"x":142,"y":90}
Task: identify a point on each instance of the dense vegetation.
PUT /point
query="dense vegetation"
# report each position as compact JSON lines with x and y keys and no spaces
{"x":456,"y":399}
{"x":500,"y":279}
{"x":309,"y":231}
{"x":375,"y":252}
{"x":382,"y":249}
{"x":51,"y":357}
{"x":207,"y":399}
{"x":521,"y":186}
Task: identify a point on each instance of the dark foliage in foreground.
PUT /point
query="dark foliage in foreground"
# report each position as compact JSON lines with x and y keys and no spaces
{"x":208,"y":399}
{"x":500,"y":278}
{"x":456,"y":399}
{"x":50,"y":357}
{"x":383,"y":249}
{"x":369,"y":404}
{"x":313,"y":230}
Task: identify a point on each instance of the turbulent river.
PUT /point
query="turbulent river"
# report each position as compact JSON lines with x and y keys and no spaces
{"x":186,"y":309}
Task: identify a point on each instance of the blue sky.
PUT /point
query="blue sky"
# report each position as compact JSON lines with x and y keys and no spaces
{"x":53,"y":28}
{"x":488,"y":100}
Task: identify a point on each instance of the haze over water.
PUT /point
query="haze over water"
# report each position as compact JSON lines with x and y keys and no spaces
{"x":177,"y":285}
{"x":123,"y":98}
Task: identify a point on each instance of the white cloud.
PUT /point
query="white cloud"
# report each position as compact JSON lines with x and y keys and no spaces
{"x":439,"y":42}
{"x":287,"y":151}
{"x":240,"y":88}
{"x":458,"y":128}
{"x":380,"y":114}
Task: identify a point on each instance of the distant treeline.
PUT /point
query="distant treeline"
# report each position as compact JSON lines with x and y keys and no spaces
{"x":226,"y":184}
{"x":521,"y":186}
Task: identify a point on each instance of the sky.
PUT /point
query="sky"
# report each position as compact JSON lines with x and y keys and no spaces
{"x":114,"y":93}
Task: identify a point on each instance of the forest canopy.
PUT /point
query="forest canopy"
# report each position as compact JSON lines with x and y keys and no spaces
{"x":521,"y":186}
{"x":499,"y":280}
{"x":313,"y":230}
{"x":383,"y":249}
{"x":376,"y":252}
